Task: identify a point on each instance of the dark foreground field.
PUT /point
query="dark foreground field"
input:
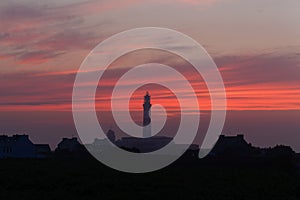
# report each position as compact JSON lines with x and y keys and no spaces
{"x":88,"y":179}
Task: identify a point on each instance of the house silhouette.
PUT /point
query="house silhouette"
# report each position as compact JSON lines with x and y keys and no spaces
{"x":232,"y":146}
{"x":20,"y":146}
{"x":68,"y":144}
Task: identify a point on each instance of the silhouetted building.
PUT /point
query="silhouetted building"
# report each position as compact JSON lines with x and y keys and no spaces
{"x":68,"y":144}
{"x":100,"y":145}
{"x":20,"y":146}
{"x":147,"y":116}
{"x":70,"y":148}
{"x":232,"y":146}
{"x":148,"y":143}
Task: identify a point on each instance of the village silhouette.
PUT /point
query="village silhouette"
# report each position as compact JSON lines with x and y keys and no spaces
{"x":227,"y":147}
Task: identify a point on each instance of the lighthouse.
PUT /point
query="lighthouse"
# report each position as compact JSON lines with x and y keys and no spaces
{"x":147,"y":116}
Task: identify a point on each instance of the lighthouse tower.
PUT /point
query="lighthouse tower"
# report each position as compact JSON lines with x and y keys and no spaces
{"x":147,"y":116}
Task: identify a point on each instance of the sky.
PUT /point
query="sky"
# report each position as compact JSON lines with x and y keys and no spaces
{"x":255,"y":45}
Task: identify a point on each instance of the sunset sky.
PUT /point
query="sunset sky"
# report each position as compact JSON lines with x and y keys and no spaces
{"x":255,"y":45}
